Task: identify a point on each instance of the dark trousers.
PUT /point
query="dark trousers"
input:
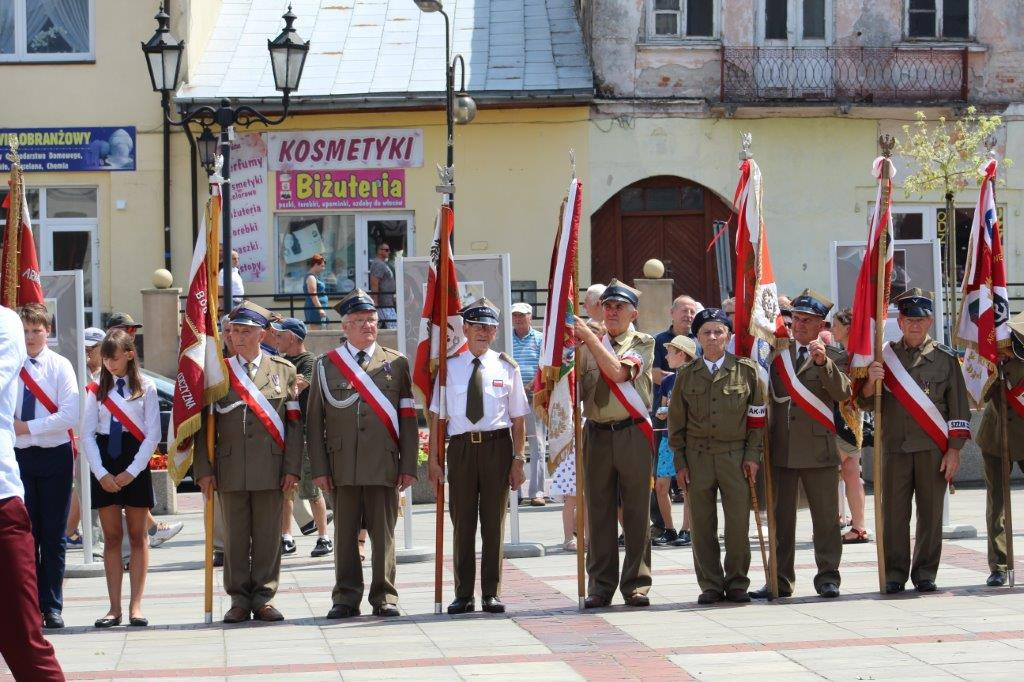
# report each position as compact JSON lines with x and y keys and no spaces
{"x":46,"y":474}
{"x":24,"y":649}
{"x":913,"y":477}
{"x":821,"y":484}
{"x":375,"y":508}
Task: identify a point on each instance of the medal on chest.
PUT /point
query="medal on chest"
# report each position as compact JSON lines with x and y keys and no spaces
{"x":276,"y":381}
{"x":387,"y":370}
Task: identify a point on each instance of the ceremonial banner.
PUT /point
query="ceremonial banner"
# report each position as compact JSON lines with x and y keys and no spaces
{"x":984,"y":312}
{"x":201,"y":377}
{"x":20,"y":279}
{"x":427,"y":348}
{"x":758,"y":323}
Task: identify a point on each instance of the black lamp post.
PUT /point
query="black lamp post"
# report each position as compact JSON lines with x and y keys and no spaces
{"x":459,"y":106}
{"x":163,"y":57}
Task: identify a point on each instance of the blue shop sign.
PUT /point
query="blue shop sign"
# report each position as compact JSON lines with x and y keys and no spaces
{"x":71,"y":149}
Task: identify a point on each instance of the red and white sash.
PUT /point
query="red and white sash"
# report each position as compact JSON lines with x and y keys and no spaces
{"x":118,"y":407}
{"x":256,"y":401}
{"x":1016,"y":398}
{"x":814,"y":406}
{"x":918,"y":404}
{"x":29,"y":377}
{"x":371,"y":393}
{"x":628,"y":396}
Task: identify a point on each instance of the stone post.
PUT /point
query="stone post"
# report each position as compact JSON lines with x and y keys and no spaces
{"x":161,"y":324}
{"x":655,"y":300}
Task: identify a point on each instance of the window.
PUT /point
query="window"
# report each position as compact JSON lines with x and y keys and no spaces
{"x":683,"y":19}
{"x":659,"y":199}
{"x":788,"y":22}
{"x":935,"y":19}
{"x":46,"y":30}
{"x":776,"y":20}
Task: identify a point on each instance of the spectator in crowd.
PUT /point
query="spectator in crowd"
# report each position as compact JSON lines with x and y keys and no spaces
{"x":120,"y":430}
{"x":92,"y":337}
{"x":526,"y":347}
{"x":124,"y":322}
{"x":592,"y":303}
{"x":681,"y":350}
{"x":729,"y":308}
{"x":47,"y":411}
{"x":316,"y":292}
{"x":237,"y":285}
{"x":28,"y":655}
{"x":849,"y":453}
{"x":291,"y":335}
{"x":382,"y":286}
{"x":681,"y":312}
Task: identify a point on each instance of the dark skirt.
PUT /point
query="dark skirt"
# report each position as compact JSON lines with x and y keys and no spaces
{"x":138,"y":493}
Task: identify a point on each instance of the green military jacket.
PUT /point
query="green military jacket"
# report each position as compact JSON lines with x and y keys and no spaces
{"x":632,"y":347}
{"x":936,"y":370}
{"x":798,"y":440}
{"x":346,"y":439}
{"x":246,"y":456}
{"x":990,"y":436}
{"x":710,"y":414}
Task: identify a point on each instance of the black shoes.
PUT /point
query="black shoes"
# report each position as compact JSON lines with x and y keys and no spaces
{"x":493,"y":605}
{"x":323,"y":547}
{"x":138,"y":621}
{"x":683,"y":540}
{"x":622,"y":540}
{"x":667,"y":537}
{"x":386,"y":611}
{"x":829,"y":590}
{"x":765,"y":593}
{"x":893,"y":587}
{"x":236,"y":614}
{"x":925,"y":586}
{"x":310,"y":527}
{"x":53,"y":621}
{"x":996,"y":579}
{"x":737,"y":596}
{"x":107,"y":621}
{"x":218,"y":557}
{"x":710,"y":597}
{"x":638,"y":599}
{"x":461,"y":605}
{"x":596,"y":601}
{"x":342,"y":611}
{"x":287,"y":547}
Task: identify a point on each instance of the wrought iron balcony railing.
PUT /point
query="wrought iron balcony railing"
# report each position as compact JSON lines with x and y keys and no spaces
{"x":843,"y":74}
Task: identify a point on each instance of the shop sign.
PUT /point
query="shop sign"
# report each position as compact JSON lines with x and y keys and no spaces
{"x":71,"y":149}
{"x":249,"y":206}
{"x":341,"y":189}
{"x":321,"y":150}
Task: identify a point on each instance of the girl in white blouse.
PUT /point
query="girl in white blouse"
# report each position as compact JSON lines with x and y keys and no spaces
{"x":120,"y":431}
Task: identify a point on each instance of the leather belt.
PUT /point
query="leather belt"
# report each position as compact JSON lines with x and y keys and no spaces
{"x":477,"y":437}
{"x":616,"y":426}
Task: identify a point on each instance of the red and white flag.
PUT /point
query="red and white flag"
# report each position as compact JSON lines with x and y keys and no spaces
{"x":20,"y":283}
{"x":861,"y":344}
{"x":984,"y":312}
{"x":758,"y":323}
{"x":427,"y":348}
{"x":202,"y":377}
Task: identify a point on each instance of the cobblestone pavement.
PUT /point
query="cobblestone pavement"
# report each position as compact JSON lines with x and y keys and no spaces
{"x":964,"y":631}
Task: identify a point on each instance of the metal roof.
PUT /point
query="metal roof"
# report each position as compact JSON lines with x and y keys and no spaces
{"x":389,"y":52}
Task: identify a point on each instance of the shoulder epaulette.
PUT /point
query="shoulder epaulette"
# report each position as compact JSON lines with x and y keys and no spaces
{"x":644,"y":337}
{"x":945,"y":349}
{"x":505,"y":358}
{"x":834,"y":351}
{"x":746,"y":361}
{"x":393,"y":352}
{"x":282,"y":360}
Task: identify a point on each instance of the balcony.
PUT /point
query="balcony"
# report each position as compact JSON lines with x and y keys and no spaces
{"x":868,"y":75}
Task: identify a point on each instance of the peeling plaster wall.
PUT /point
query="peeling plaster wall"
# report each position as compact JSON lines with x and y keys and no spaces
{"x":998,"y":74}
{"x":867,"y":23}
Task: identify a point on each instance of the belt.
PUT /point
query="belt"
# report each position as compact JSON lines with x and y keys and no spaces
{"x":617,"y":426}
{"x":482,"y":436}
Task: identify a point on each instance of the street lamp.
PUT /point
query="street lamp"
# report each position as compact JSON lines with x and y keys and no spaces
{"x":459,"y":106}
{"x":163,"y":54}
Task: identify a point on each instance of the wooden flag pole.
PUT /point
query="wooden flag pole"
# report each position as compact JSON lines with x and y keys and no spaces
{"x":211,"y":428}
{"x":441,"y":422}
{"x":760,"y":533}
{"x":881,"y":313}
{"x":577,"y":423}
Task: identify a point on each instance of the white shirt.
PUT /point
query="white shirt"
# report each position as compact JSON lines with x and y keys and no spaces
{"x":55,"y":375}
{"x":144,"y":411}
{"x":237,"y":285}
{"x":504,"y":395}
{"x":355,"y":351}
{"x":713,"y":366}
{"x":12,"y":355}
{"x":255,"y":363}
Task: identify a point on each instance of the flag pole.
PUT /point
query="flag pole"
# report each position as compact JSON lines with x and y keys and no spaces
{"x":886,"y":142}
{"x":13,"y":231}
{"x":212,"y":285}
{"x":577,"y":425}
{"x":211,"y":427}
{"x":442,"y":419}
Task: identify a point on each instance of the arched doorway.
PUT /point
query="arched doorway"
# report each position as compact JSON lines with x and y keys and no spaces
{"x":663,"y":217}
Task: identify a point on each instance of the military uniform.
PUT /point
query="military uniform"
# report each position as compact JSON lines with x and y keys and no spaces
{"x":804,"y":451}
{"x":990,"y":440}
{"x":715,"y":423}
{"x":619,"y":461}
{"x":484,"y":397}
{"x":911,"y":459}
{"x":249,"y":466}
{"x":349,"y":442}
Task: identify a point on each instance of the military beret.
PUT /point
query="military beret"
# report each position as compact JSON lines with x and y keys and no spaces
{"x":710,"y":315}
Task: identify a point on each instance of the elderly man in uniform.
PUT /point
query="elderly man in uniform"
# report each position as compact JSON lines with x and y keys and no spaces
{"x":990,"y":440}
{"x":927,"y":420}
{"x":806,"y":383}
{"x":363,"y":442}
{"x":258,"y":459}
{"x":618,"y":447}
{"x":716,"y":419}
{"x":487,"y":408}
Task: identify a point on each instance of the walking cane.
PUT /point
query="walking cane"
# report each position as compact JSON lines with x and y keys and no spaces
{"x":760,"y":535}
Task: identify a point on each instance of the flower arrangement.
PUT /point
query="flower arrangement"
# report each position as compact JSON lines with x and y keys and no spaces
{"x":158,"y":462}
{"x":424,"y":448}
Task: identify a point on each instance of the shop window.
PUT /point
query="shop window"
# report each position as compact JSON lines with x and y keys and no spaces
{"x":682,"y":19}
{"x":934,"y":19}
{"x":907,"y":225}
{"x":71,"y":202}
{"x":46,"y":30}
{"x":300,"y":237}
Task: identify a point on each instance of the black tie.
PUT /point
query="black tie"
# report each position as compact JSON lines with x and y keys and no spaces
{"x":475,"y":395}
{"x":361,"y":358}
{"x":28,"y":401}
{"x":801,"y":356}
{"x":114,"y":438}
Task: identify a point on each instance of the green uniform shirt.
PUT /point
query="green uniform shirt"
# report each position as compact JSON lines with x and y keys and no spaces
{"x":633,"y":348}
{"x":990,"y":436}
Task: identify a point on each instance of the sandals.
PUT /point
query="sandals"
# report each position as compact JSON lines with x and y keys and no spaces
{"x":855,"y":536}
{"x":362,"y":550}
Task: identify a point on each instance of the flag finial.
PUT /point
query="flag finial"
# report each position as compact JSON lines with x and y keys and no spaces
{"x":886,"y":142}
{"x":990,"y":145}
{"x":746,"y":139}
{"x":572,"y":162}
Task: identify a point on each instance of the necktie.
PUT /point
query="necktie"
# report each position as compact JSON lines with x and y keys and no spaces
{"x":361,"y":358}
{"x":28,"y":401}
{"x":475,"y":395}
{"x":114,"y":440}
{"x":714,"y":368}
{"x":602,"y":394}
{"x":250,"y":369}
{"x":801,"y":356}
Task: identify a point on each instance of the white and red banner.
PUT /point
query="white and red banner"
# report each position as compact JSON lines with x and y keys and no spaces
{"x":803,"y":397}
{"x":758,"y":323}
{"x":984,"y":312}
{"x":201,"y":377}
{"x":861,"y":344}
{"x":19,"y":283}
{"x":427,"y":348}
{"x":371,"y":393}
{"x":919,"y":405}
{"x":31,"y":381}
{"x":256,"y":401}
{"x":629,"y":398}
{"x":117,"y":406}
